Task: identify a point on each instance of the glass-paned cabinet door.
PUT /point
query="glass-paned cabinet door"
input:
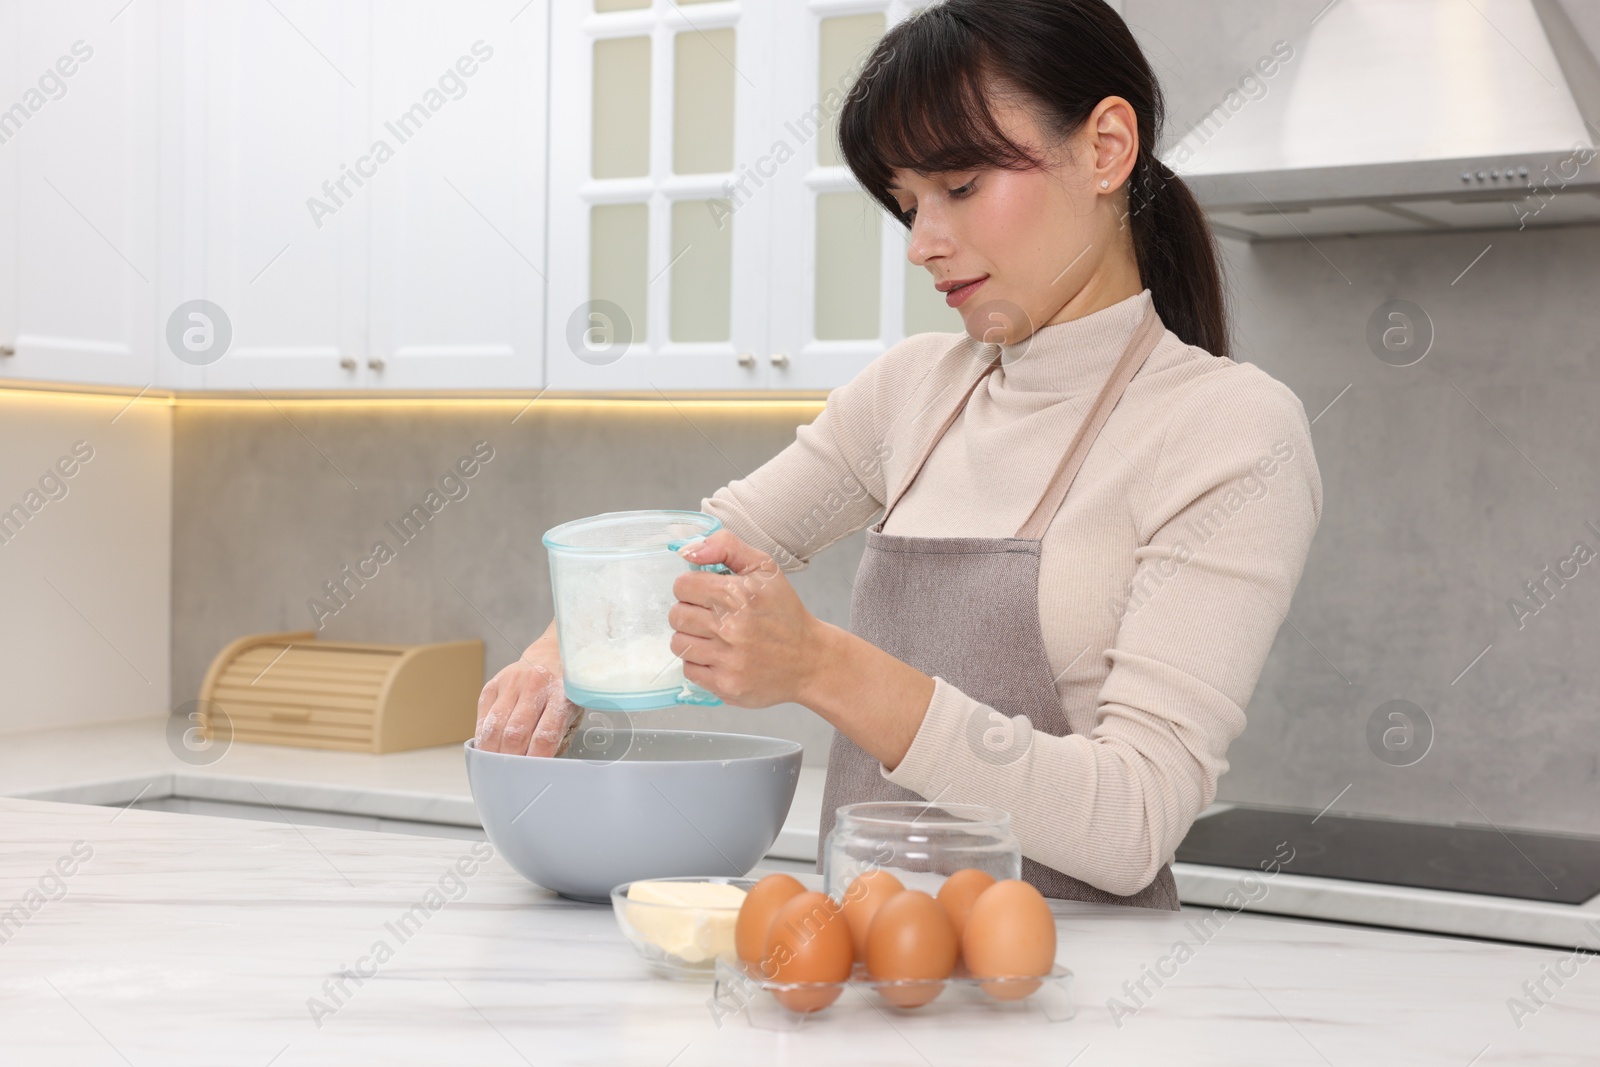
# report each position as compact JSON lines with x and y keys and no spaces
{"x":658,"y":217}
{"x":842,"y":288}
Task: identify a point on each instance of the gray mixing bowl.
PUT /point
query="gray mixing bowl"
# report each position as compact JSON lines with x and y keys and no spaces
{"x":625,"y":804}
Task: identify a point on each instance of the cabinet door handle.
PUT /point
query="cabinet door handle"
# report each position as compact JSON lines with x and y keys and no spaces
{"x":375,"y":363}
{"x":7,"y":350}
{"x":747,"y":359}
{"x":348,"y":362}
{"x":780,"y":359}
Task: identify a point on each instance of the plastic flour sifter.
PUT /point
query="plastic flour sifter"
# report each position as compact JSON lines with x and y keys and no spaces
{"x":611,"y":576}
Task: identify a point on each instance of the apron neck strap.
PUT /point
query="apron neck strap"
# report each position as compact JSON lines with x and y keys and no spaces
{"x":1143,"y":341}
{"x":927,"y":448}
{"x":1140,"y":345}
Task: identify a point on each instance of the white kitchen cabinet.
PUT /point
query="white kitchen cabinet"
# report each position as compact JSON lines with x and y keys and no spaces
{"x":79,"y":129}
{"x":676,"y":114}
{"x":272,"y":105}
{"x":697,"y":231}
{"x":657,"y":279}
{"x":365,"y":194}
{"x":457,"y":227}
{"x":9,"y":265}
{"x":850,"y":293}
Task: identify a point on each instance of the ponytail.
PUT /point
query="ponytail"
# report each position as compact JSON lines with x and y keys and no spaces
{"x":1177,"y":255}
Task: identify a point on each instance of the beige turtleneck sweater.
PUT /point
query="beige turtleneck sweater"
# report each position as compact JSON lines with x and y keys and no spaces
{"x":1163,"y":578}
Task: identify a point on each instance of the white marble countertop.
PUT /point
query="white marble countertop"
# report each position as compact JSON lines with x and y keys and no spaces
{"x":114,"y":763}
{"x":182,"y":939}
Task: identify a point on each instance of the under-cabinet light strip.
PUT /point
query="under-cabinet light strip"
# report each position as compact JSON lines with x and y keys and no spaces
{"x":446,"y":402}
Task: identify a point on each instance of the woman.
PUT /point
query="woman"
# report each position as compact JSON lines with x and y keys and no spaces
{"x":1083,"y":660}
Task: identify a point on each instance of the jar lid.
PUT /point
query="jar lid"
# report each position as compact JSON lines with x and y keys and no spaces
{"x":924,"y":815}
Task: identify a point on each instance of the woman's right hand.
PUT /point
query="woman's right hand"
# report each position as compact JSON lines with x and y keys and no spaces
{"x":524,"y":709}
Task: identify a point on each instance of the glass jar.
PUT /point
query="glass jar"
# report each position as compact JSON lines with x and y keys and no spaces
{"x":920,"y":843}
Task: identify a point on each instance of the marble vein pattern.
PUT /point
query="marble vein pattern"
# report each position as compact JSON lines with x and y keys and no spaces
{"x":181,"y":939}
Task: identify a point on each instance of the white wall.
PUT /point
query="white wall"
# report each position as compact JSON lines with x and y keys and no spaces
{"x":85,"y":578}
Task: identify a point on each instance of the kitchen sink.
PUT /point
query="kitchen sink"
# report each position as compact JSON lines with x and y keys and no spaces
{"x":233,"y":809}
{"x":262,"y":801}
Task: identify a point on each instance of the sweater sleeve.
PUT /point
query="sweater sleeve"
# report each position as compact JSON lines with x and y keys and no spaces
{"x":830,"y":481}
{"x":1236,"y":499}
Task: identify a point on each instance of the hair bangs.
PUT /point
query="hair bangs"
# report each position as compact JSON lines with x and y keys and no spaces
{"x":923,"y":106}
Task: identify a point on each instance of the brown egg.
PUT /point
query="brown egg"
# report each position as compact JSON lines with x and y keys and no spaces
{"x":959,"y":891}
{"x":761,"y":903}
{"x":1010,"y":933}
{"x":862,"y":899}
{"x":911,"y":937}
{"x":809,"y":942}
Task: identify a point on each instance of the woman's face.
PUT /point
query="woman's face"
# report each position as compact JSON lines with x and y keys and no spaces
{"x":1046,"y":244}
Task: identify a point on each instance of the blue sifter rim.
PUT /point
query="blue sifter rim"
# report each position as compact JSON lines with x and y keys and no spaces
{"x":552,"y":536}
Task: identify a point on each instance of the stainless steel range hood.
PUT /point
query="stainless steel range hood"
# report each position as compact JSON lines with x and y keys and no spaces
{"x":1408,"y":116}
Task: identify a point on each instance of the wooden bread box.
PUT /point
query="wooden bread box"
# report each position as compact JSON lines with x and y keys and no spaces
{"x":292,"y":689}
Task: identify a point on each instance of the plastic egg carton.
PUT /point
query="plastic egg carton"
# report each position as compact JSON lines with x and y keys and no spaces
{"x":741,"y":989}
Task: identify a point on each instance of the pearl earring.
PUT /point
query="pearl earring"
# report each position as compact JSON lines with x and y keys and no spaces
{"x":1104,"y":184}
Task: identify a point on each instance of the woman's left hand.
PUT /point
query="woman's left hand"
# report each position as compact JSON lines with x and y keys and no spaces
{"x":745,"y":636}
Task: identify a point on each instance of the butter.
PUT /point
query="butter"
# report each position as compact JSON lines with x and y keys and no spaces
{"x":695,"y":922}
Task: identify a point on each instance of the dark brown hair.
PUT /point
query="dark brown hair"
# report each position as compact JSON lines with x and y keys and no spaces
{"x":921,"y":105}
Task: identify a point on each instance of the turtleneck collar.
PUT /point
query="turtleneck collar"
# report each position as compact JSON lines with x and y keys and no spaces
{"x":1071,"y":357}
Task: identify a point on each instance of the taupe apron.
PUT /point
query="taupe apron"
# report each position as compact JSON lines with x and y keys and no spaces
{"x":967,"y":609}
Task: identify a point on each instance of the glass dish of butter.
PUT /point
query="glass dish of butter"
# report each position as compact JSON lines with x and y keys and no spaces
{"x":681,"y":925}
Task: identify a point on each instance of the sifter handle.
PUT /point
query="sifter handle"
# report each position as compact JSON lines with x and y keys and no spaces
{"x":715,"y":568}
